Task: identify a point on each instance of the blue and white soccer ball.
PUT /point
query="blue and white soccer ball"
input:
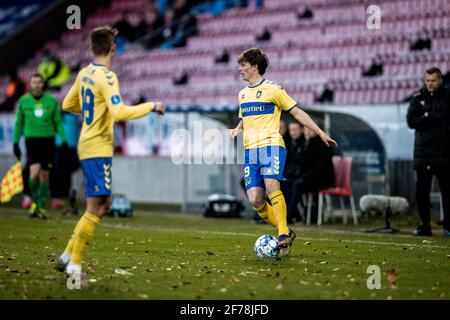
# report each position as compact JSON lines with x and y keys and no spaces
{"x":266,"y":246}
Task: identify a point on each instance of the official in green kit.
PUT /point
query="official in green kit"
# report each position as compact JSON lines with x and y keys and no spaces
{"x":39,"y":119}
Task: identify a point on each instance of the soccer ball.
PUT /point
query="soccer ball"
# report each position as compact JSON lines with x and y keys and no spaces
{"x":266,"y":246}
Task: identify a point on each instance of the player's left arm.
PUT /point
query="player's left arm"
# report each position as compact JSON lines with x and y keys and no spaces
{"x":58,"y":122}
{"x":302,"y":117}
{"x":120,"y":111}
{"x":285,"y":102}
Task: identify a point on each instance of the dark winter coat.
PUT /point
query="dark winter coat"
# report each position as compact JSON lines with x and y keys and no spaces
{"x":429,"y":115}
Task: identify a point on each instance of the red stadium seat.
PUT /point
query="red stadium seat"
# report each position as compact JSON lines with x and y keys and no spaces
{"x":343,"y":189}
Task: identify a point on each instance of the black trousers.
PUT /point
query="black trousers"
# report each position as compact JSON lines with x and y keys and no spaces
{"x":26,"y":178}
{"x":66,"y":162}
{"x":424,"y":177}
{"x":293,"y":189}
{"x":42,"y":151}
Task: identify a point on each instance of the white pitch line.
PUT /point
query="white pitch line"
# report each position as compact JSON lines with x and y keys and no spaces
{"x":399,"y":244}
{"x":226,"y":233}
{"x":162,"y":229}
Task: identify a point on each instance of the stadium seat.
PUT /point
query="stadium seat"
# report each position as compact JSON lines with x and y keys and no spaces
{"x":333,"y":46}
{"x":343,"y":189}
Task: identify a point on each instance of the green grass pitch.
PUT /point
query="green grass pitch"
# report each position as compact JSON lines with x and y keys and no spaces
{"x":186,"y":256}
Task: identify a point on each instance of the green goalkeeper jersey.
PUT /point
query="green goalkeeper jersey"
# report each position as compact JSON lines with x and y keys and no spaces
{"x":38,"y":118}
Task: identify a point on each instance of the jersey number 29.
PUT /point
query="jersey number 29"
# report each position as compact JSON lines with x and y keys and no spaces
{"x":88,"y":105}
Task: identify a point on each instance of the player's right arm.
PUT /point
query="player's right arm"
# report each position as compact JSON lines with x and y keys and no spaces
{"x":233,"y":133}
{"x":18,"y":130}
{"x":71,"y":102}
{"x":120,"y":111}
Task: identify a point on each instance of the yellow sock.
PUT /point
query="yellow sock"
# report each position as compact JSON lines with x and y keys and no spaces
{"x":265,"y":211}
{"x":280,"y":211}
{"x":82,"y":236}
{"x":69,"y":246}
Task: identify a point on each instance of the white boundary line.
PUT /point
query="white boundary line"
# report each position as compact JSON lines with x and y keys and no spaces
{"x":245,"y":234}
{"x":226,"y":233}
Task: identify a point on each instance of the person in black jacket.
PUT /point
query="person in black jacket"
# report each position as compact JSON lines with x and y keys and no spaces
{"x":294,"y":148}
{"x":124,"y":27}
{"x":316,"y":171}
{"x":294,"y":151}
{"x":429,"y":115}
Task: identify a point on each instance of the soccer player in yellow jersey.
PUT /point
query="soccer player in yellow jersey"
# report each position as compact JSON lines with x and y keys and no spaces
{"x":260,"y":106}
{"x":95,"y":94}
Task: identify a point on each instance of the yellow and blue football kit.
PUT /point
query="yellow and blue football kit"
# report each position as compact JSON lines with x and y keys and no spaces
{"x":260,"y":108}
{"x":96,"y":95}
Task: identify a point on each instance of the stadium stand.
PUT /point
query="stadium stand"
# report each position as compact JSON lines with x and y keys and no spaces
{"x":13,"y":14}
{"x":333,"y":48}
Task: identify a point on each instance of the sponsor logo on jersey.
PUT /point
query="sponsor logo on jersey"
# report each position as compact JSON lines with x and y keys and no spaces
{"x":257,"y":108}
{"x":88,"y":80}
{"x":38,"y":112}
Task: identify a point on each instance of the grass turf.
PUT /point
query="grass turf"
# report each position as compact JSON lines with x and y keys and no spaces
{"x":185,"y":256}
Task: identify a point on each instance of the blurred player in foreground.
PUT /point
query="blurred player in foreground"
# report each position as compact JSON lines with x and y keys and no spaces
{"x":38,"y":118}
{"x":261,"y":103}
{"x":96,"y":95}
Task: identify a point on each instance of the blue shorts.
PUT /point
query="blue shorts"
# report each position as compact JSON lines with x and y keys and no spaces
{"x":97,"y":177}
{"x":263,"y":163}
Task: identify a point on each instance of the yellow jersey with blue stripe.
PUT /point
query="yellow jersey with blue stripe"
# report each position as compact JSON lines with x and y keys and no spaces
{"x":96,"y":95}
{"x":260,"y":108}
